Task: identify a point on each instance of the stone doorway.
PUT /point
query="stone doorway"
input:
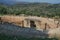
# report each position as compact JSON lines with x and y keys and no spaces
{"x":32,"y":24}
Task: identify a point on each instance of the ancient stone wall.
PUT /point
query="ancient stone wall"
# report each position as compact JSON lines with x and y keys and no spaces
{"x":41,"y":23}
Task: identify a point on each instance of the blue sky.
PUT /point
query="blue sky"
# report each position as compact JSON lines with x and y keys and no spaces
{"x":47,"y":1}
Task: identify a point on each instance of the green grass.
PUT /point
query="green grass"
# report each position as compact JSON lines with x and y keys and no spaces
{"x":1,"y":14}
{"x":5,"y":37}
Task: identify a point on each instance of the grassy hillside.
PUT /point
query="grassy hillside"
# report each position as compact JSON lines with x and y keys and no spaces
{"x":37,"y":9}
{"x":5,"y":37}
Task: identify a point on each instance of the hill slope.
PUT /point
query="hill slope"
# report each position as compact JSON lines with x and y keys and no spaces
{"x":37,"y":9}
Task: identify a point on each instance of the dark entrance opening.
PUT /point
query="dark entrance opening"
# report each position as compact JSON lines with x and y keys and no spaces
{"x":22,"y":24}
{"x":0,"y":20}
{"x":32,"y":24}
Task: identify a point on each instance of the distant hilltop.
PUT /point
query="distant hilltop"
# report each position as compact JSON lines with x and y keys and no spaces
{"x":12,"y":2}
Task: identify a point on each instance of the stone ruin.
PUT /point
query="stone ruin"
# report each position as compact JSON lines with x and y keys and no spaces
{"x":38,"y":23}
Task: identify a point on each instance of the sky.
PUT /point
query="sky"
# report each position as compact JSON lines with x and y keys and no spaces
{"x":45,"y":1}
{"x":48,"y":1}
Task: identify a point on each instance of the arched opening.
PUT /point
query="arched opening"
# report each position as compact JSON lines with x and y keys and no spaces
{"x":32,"y":24}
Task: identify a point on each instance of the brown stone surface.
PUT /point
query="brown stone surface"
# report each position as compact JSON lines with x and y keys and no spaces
{"x":41,"y":23}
